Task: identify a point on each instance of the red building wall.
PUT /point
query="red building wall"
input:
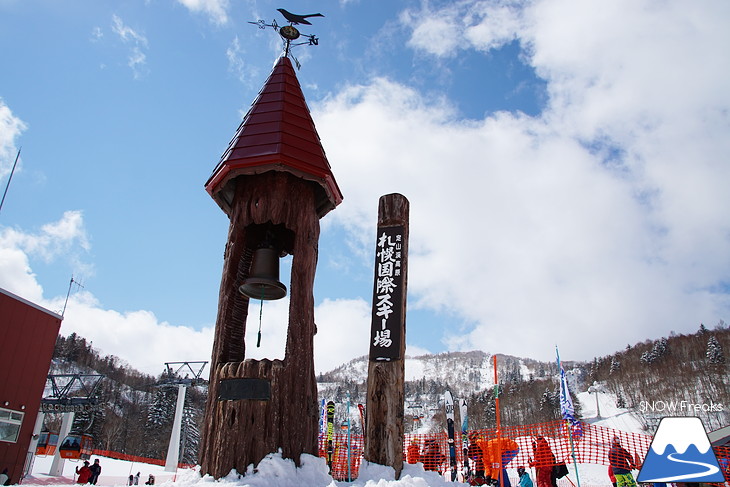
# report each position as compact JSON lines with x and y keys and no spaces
{"x":27,"y":337}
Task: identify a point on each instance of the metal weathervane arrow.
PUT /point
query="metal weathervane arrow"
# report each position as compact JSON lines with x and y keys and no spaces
{"x":289,"y":33}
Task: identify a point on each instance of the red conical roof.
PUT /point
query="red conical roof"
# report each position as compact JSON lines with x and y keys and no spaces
{"x":277,"y":134}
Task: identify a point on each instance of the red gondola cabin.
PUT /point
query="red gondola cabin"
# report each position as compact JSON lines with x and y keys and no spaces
{"x":77,"y":446}
{"x":47,"y":443}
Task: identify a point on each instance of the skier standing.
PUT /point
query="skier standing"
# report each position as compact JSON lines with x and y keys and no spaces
{"x":622,"y":464}
{"x":544,"y":462}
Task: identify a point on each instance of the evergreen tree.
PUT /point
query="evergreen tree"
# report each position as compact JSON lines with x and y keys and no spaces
{"x":160,"y":415}
{"x":615,"y":365}
{"x":190,"y":433}
{"x":647,"y":357}
{"x":714,"y":352}
{"x":659,"y":350}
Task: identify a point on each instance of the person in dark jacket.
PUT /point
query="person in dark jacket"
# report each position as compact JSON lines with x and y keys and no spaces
{"x":95,"y":472}
{"x":475,"y":455}
{"x":622,"y":464}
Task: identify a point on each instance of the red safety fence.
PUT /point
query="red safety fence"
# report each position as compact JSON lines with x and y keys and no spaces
{"x":534,"y":445}
{"x":338,"y":453}
{"x":135,"y":458}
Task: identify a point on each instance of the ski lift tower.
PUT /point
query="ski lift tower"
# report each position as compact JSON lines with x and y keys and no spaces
{"x":174,"y":376}
{"x":70,"y":393}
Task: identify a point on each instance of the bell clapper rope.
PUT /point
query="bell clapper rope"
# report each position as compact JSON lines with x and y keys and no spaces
{"x":261,"y":313}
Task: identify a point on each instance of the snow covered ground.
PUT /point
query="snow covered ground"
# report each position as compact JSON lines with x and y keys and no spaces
{"x":275,"y":471}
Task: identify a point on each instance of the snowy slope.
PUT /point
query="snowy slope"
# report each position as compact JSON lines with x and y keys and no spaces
{"x":611,"y":416}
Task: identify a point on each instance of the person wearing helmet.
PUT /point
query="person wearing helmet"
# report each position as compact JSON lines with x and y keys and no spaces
{"x":525,"y":480}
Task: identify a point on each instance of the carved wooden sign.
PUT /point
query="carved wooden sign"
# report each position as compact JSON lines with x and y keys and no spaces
{"x":386,"y":329}
{"x":385,"y":402}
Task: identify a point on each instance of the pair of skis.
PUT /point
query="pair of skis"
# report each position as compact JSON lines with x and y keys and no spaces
{"x":450,"y":430}
{"x":329,"y":415}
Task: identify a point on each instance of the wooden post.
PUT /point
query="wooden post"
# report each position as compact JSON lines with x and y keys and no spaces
{"x":386,"y":370}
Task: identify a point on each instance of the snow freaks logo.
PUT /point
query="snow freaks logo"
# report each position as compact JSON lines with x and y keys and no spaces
{"x":680,"y":450}
{"x":674,"y":407}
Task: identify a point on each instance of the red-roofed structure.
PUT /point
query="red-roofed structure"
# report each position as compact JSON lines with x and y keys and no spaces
{"x":28,"y":334}
{"x":277,"y":134}
{"x":275,"y":184}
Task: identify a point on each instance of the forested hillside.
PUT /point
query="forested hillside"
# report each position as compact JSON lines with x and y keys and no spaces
{"x":136,"y":410}
{"x":678,"y":375}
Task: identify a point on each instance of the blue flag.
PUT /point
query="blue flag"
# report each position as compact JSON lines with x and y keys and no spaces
{"x":566,"y":402}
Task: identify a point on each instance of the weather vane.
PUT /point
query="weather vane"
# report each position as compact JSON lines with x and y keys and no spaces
{"x":289,"y":33}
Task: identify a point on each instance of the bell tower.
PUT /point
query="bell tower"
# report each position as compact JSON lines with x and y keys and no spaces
{"x":274,"y":182}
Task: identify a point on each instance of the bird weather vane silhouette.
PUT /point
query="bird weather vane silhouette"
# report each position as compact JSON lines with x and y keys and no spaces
{"x":289,"y":33}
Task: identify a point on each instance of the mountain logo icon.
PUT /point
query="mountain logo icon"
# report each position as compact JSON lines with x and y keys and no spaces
{"x":680,"y":451}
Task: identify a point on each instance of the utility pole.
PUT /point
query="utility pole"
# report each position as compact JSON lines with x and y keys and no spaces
{"x":10,"y":178}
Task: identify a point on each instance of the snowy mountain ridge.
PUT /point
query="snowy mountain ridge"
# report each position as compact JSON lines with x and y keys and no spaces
{"x":463,"y":372}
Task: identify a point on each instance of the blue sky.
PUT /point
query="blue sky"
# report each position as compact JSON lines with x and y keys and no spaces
{"x":566,"y":164}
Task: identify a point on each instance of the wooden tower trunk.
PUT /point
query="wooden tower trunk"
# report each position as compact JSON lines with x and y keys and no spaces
{"x":273,"y":179}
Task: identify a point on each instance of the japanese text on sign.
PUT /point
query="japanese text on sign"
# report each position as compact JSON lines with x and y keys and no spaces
{"x":387,"y":292}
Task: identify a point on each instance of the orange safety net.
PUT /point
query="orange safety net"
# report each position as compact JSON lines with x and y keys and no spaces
{"x":135,"y":458}
{"x":338,"y":453}
{"x":536,"y":445}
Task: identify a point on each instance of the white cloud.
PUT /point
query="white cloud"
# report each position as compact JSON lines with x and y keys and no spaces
{"x":10,"y":129}
{"x":343,"y":328}
{"x":601,"y":222}
{"x":343,"y":332}
{"x":52,"y":240}
{"x":236,"y":64}
{"x":16,"y":275}
{"x":137,"y":58}
{"x":144,"y":341}
{"x":433,"y":33}
{"x":216,"y":10}
{"x":137,"y":337}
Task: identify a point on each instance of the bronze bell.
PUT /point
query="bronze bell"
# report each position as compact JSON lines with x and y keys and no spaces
{"x":263,"y":280}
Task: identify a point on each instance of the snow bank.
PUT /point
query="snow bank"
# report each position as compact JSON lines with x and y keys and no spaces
{"x":272,"y":471}
{"x":275,"y":471}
